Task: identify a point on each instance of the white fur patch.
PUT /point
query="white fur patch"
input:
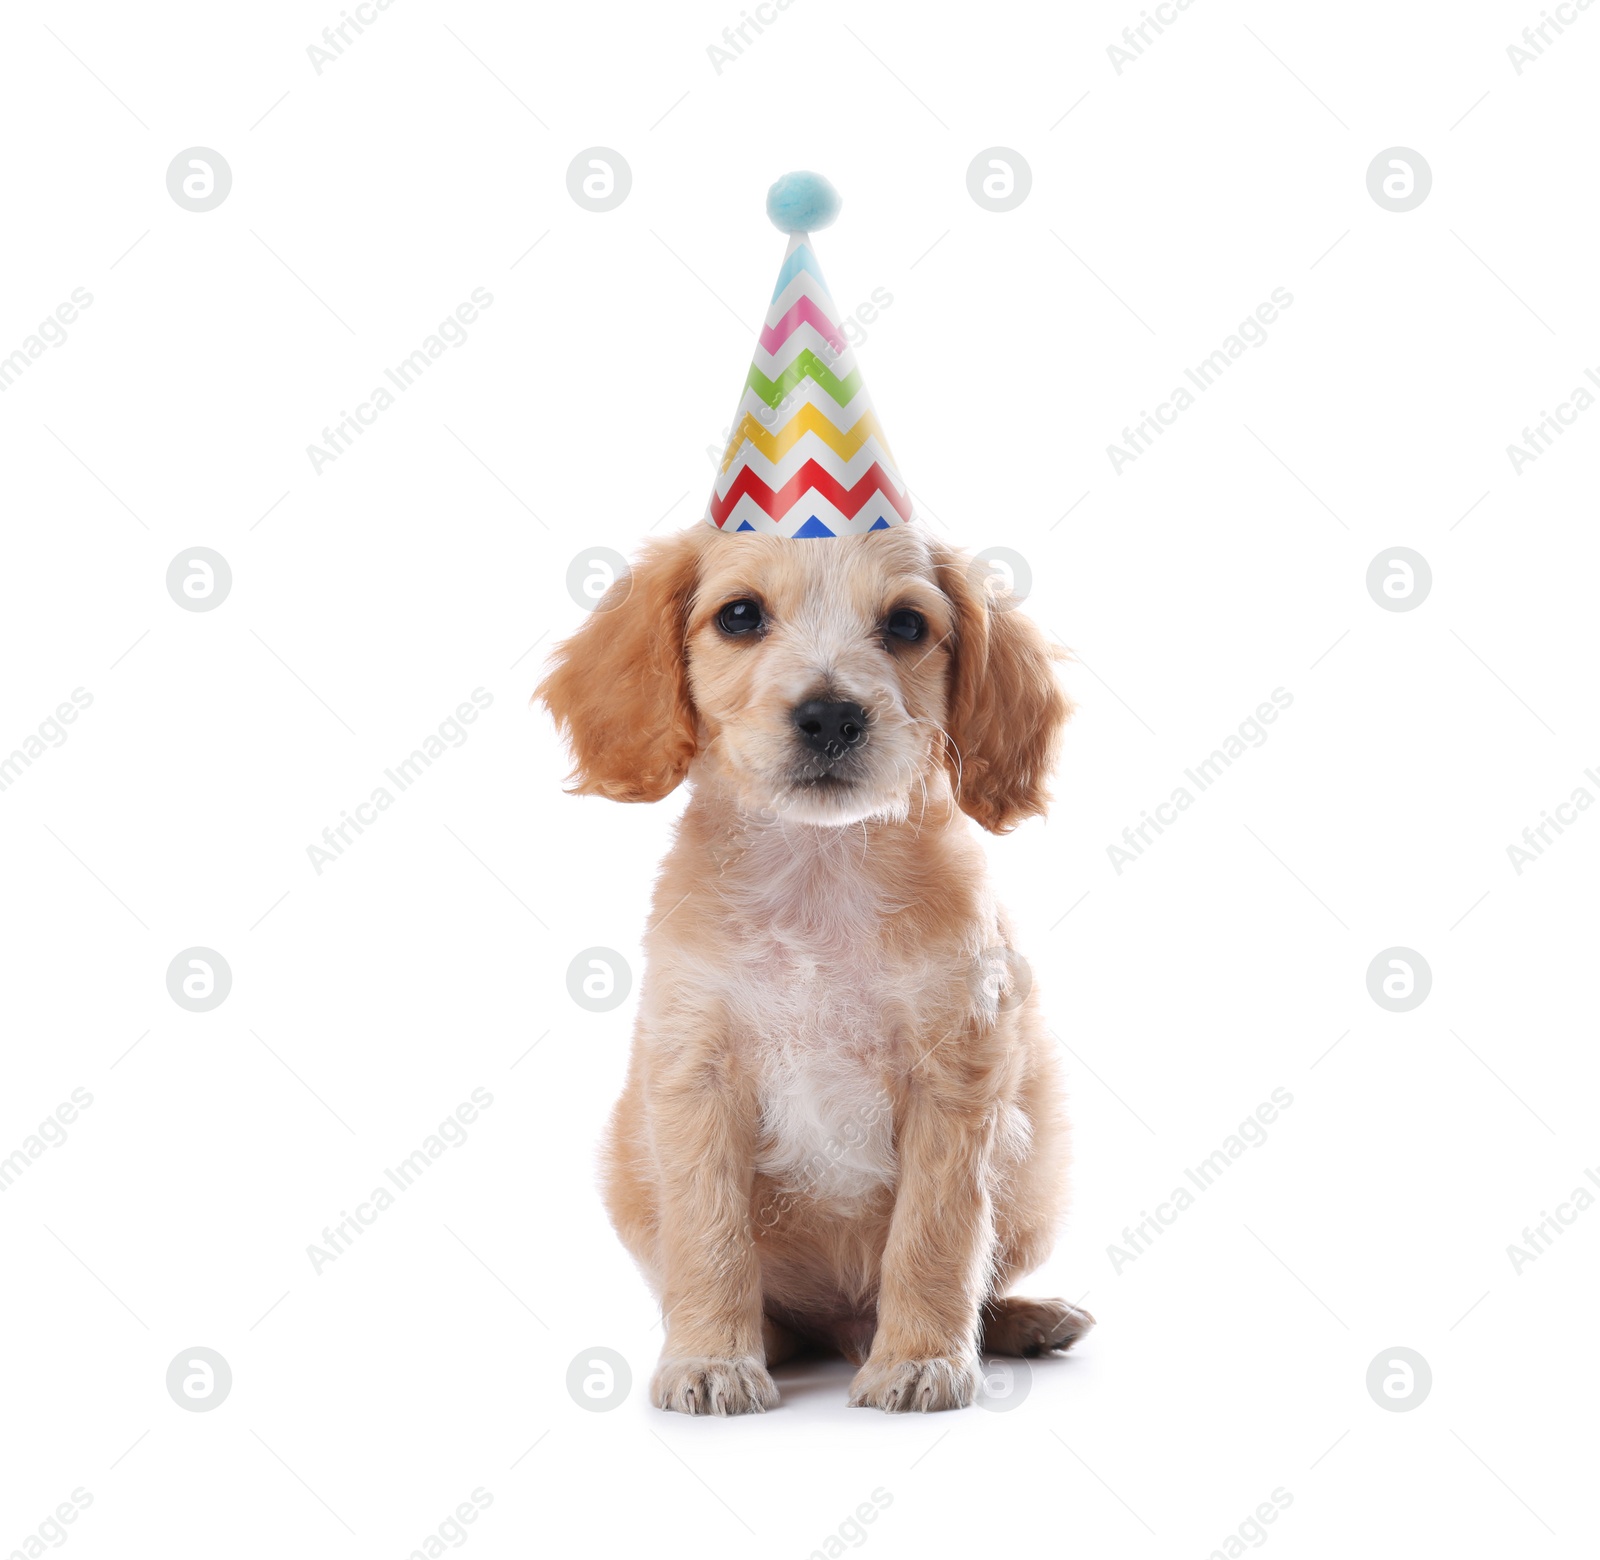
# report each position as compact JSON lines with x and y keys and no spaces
{"x":826,"y":1124}
{"x":807,"y":982}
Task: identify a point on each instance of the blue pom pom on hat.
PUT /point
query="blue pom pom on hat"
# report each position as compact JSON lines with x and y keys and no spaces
{"x":802,"y":203}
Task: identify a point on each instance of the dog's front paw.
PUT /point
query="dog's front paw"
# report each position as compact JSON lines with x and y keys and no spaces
{"x":712,"y":1386}
{"x":915,"y":1386}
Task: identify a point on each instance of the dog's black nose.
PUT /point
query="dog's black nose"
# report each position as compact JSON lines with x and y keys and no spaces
{"x":830,"y":728}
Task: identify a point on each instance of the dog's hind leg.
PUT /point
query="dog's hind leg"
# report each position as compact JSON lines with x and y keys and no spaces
{"x":1024,"y":1328}
{"x":779,"y":1342}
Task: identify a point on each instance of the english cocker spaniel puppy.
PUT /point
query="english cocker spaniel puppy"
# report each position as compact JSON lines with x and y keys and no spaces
{"x":842,"y":1125}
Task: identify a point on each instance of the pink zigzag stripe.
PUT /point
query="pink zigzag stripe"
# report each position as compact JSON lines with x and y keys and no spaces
{"x":805,"y":311}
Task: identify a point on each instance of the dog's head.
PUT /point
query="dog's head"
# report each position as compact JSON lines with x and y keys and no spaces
{"x":828,"y":680}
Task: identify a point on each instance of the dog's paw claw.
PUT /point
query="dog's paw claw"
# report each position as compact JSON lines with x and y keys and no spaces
{"x":915,"y":1386}
{"x":713,"y":1386}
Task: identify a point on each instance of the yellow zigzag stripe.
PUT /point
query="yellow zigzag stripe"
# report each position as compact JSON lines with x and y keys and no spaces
{"x":809,"y":419}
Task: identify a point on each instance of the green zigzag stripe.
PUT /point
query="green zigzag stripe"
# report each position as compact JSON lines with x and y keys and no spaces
{"x":807,"y":366}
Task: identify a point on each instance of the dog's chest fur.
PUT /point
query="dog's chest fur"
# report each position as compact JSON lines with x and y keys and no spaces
{"x":827,"y":1008}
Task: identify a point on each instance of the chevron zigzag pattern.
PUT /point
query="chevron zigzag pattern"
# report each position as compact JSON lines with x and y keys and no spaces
{"x":808,"y":419}
{"x":874,"y":491}
{"x":808,"y":456}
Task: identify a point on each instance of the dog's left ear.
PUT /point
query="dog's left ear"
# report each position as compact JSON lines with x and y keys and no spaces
{"x":619,"y":687}
{"x":1006,"y":708}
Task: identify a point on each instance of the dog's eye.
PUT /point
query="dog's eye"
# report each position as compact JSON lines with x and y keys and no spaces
{"x":739,"y":617}
{"x":905,"y":624}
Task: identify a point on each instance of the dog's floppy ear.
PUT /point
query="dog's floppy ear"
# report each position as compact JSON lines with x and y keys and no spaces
{"x":619,"y":687}
{"x":1006,"y":708}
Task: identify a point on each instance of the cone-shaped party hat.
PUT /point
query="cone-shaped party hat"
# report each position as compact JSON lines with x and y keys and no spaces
{"x":806,"y":457}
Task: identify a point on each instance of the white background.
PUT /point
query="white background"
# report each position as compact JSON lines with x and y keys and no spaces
{"x":1230,"y":959}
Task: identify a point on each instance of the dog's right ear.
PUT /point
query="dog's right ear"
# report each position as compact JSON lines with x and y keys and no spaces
{"x":619,"y":687}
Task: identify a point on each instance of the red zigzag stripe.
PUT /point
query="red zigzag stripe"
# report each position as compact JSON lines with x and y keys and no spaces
{"x":848,"y":501}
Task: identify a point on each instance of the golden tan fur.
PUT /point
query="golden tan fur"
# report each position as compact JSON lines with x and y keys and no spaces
{"x":841,"y":1124}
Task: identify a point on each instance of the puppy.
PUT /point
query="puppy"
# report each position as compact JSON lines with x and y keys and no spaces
{"x":842,"y":1125}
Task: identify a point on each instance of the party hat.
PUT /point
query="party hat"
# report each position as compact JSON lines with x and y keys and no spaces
{"x":806,"y":457}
